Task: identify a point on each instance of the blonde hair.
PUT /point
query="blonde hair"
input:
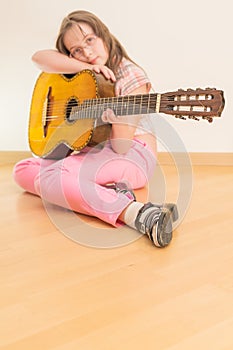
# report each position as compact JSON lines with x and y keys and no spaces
{"x":115,"y":50}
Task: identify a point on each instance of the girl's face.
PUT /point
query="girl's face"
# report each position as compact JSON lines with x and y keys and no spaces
{"x":84,"y":45}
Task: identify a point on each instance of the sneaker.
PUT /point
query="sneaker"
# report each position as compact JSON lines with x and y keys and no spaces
{"x":156,"y":221}
{"x":172,"y":208}
{"x":121,"y":187}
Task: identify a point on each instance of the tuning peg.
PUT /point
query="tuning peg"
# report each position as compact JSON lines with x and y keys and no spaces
{"x":180,"y":116}
{"x":208,"y":118}
{"x":193,"y":117}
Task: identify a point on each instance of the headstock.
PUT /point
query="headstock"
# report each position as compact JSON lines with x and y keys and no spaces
{"x":194,"y":104}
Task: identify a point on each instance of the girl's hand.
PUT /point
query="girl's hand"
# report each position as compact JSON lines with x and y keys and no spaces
{"x":109,"y":116}
{"x":107,"y":72}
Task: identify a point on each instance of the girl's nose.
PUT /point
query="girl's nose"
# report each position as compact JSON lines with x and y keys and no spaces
{"x":87,"y":51}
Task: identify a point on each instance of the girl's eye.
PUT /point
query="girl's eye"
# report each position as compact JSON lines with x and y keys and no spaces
{"x":77,"y":51}
{"x":89,"y":40}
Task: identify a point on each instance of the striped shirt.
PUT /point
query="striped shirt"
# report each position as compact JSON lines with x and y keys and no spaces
{"x":130,"y":77}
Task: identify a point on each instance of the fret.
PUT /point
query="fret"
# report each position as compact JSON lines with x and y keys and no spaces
{"x":148,"y":104}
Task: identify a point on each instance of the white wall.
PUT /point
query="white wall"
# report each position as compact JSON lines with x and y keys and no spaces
{"x":180,"y":44}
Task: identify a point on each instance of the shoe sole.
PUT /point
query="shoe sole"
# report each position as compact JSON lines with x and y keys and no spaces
{"x":161,"y":233}
{"x":173,"y":210}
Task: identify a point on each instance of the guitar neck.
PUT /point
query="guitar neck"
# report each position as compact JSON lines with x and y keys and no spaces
{"x":122,"y":105}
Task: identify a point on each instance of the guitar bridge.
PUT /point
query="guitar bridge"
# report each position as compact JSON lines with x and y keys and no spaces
{"x":46,"y":112}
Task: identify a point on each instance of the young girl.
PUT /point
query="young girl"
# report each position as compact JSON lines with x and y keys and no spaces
{"x":81,"y":182}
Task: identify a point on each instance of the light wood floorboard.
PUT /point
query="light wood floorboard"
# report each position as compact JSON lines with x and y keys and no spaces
{"x":57,"y":294}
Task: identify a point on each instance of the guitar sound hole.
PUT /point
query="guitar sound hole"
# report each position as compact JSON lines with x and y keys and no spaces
{"x":71,"y":109}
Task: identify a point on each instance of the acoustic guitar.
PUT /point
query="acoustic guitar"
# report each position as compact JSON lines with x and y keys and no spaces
{"x":65,"y":113}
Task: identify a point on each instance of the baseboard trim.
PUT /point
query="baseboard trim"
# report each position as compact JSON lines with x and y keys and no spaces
{"x":196,"y":158}
{"x":9,"y":157}
{"x":164,"y":158}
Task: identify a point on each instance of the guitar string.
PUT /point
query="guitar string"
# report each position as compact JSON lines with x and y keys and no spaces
{"x":100,"y":104}
{"x":144,"y":98}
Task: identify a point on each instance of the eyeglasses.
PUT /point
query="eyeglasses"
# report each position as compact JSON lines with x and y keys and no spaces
{"x":89,"y":42}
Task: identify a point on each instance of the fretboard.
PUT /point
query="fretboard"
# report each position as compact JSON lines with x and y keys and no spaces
{"x":122,"y":105}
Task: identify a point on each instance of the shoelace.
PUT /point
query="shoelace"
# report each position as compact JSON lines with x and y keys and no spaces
{"x":147,"y":217}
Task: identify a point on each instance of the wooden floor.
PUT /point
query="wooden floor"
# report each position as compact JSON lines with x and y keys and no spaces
{"x":58,"y":294}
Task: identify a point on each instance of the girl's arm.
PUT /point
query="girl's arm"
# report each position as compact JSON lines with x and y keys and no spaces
{"x":123,"y":127}
{"x":52,"y":61}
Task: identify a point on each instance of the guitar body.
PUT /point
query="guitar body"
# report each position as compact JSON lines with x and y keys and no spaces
{"x":52,"y":132}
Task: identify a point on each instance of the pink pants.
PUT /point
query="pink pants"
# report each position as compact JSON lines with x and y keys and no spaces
{"x":78,"y":182}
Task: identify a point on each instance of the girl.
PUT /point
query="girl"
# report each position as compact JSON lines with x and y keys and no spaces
{"x":81,"y":181}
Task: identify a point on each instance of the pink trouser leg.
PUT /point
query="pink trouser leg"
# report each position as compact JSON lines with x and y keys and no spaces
{"x":26,"y":171}
{"x":77,"y":182}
